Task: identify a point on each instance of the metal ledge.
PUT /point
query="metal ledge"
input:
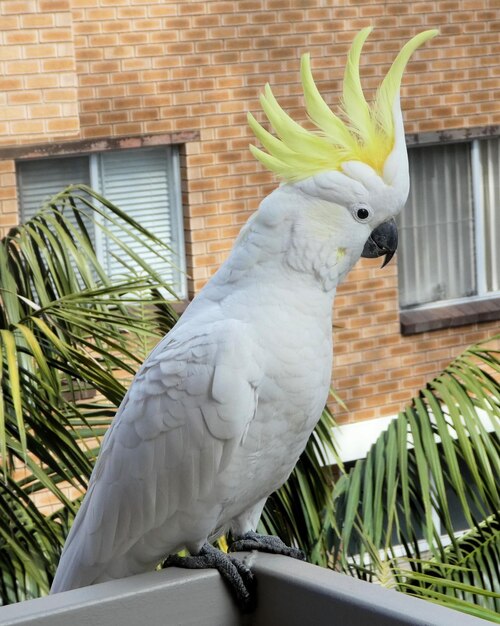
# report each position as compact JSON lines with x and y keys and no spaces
{"x":290,"y":592}
{"x":168,"y":598}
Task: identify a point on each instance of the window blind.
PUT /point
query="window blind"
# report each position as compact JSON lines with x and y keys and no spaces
{"x":143,"y":183}
{"x":139,"y":183}
{"x":436,"y":249}
{"x":40,"y":180}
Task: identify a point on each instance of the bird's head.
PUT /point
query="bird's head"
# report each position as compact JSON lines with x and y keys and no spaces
{"x":352,"y":171}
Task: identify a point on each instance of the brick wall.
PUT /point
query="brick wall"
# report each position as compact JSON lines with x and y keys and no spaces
{"x":98,"y":69}
{"x":38,"y":71}
{"x":376,"y":369}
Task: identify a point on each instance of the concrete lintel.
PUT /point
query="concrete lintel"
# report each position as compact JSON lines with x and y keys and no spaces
{"x":88,"y":146}
{"x":452,"y":135}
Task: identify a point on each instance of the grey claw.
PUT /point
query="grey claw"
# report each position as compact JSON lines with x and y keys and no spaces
{"x":265,"y":543}
{"x":236,"y":574}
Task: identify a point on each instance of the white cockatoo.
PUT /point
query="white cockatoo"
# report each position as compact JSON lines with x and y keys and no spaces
{"x":222,"y":408}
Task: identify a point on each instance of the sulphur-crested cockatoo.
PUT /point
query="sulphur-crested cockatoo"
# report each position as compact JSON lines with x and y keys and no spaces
{"x":222,"y":408}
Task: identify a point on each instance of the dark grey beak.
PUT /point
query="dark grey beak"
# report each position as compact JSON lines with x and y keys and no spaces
{"x":382,"y":241}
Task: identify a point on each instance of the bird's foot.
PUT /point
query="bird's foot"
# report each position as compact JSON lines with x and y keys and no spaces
{"x":264,"y":543}
{"x":235,"y":573}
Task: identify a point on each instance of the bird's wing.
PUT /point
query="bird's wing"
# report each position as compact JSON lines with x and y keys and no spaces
{"x":182,"y":417}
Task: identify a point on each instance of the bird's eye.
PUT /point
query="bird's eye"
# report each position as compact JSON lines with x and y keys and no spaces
{"x":362,"y":213}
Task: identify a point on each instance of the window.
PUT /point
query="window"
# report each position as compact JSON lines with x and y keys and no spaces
{"x":450,"y":225}
{"x":142,"y":182}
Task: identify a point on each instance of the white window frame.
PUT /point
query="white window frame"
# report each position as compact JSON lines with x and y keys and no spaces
{"x":478,"y":212}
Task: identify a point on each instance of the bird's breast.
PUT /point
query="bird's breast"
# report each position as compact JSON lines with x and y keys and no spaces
{"x":291,"y":394}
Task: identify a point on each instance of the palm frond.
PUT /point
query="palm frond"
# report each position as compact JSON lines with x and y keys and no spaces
{"x":67,"y":331}
{"x":431,"y":475}
{"x":468,"y":572}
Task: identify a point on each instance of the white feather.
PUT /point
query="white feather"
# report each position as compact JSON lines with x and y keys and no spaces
{"x":219,"y":413}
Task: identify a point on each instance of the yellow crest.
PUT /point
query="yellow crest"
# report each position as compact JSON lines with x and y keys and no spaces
{"x":367,"y":135}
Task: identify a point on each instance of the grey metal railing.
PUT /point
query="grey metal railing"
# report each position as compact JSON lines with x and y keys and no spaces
{"x":291,"y":593}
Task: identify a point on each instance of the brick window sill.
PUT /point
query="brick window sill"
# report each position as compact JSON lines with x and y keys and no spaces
{"x":423,"y":320}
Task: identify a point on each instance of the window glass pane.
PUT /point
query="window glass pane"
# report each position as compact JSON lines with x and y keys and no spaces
{"x":140,"y":183}
{"x":490,"y":160}
{"x":39,"y":180}
{"x":436,"y":246}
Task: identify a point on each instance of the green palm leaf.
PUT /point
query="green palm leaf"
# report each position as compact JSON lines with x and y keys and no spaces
{"x":67,"y":331}
{"x":469,"y":570}
{"x":70,"y":330}
{"x":431,"y":475}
